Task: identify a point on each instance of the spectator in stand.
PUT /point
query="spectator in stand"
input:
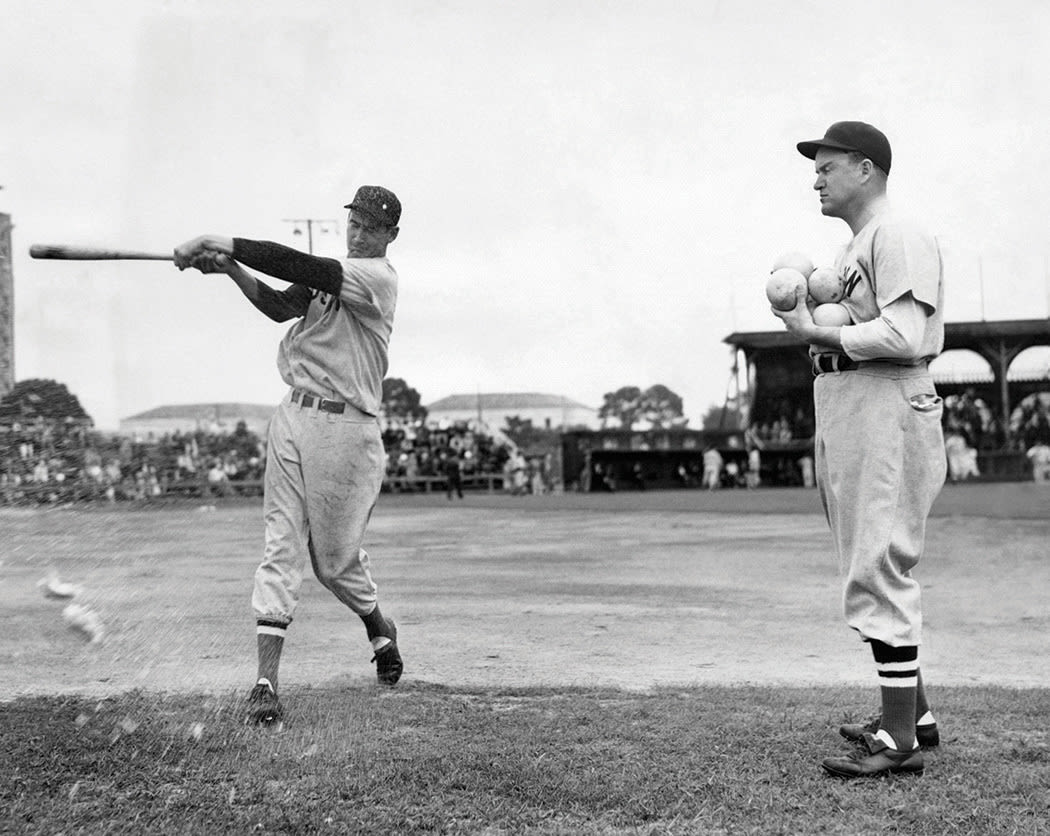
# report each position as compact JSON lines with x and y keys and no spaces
{"x":712,"y":468}
{"x":754,"y":467}
{"x":1039,"y":455}
{"x":732,"y":474}
{"x":218,"y":481}
{"x":962,"y":458}
{"x":805,"y":464}
{"x":518,"y":474}
{"x":453,"y":475}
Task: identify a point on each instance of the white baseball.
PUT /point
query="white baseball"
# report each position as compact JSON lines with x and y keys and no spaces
{"x":826,"y":286}
{"x":796,"y":261}
{"x":831,"y":313}
{"x":782,"y":288}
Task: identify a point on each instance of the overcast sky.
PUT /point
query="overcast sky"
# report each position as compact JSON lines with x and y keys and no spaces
{"x":593,"y":191}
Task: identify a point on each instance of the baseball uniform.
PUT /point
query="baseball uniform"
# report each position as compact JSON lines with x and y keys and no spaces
{"x":879,"y":446}
{"x":325,"y":458}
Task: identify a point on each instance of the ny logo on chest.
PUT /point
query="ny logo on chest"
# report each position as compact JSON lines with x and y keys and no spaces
{"x":851,"y":278}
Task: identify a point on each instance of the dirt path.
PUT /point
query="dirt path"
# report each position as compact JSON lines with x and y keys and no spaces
{"x":622,"y":591}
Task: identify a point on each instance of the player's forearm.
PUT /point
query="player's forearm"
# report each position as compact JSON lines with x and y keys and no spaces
{"x":824,"y":336}
{"x":324,"y":274}
{"x":248,"y":284}
{"x":896,"y":334}
{"x":276,"y":305}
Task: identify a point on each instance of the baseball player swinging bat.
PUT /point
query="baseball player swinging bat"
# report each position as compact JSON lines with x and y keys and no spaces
{"x":75,"y":253}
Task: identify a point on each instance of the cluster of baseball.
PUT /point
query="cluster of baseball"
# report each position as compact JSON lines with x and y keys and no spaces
{"x":795,"y":271}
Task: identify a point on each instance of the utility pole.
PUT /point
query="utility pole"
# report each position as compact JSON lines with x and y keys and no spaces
{"x":322,"y":224}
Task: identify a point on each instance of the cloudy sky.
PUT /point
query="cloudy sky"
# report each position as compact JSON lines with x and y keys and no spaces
{"x":593,"y":191}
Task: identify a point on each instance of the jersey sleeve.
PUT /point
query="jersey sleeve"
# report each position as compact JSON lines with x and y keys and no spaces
{"x":896,"y":334}
{"x":906,"y":260}
{"x":369,"y":290}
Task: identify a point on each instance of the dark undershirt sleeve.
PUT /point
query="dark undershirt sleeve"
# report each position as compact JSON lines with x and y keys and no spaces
{"x":281,"y":262}
{"x":282,"y":305}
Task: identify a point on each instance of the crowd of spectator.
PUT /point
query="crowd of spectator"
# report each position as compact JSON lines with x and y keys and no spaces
{"x":62,"y":461}
{"x":1033,"y":423}
{"x":54,"y":461}
{"x":783,"y":425}
{"x":416,"y":449}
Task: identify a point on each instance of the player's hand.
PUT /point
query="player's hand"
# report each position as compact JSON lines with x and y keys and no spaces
{"x":202,"y":244}
{"x":212,"y":262}
{"x":799,"y":320}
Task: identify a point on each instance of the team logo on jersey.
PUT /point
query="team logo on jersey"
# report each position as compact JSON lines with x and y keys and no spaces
{"x":326,"y":300}
{"x":850,"y":282}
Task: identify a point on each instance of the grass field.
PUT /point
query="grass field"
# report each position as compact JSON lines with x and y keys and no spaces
{"x":645,"y":664}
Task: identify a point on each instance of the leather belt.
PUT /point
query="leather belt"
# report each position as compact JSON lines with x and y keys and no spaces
{"x":309,"y":401}
{"x":827,"y":363}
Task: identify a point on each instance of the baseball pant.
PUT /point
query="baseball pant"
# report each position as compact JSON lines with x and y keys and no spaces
{"x":323,"y":476}
{"x":880,"y":464}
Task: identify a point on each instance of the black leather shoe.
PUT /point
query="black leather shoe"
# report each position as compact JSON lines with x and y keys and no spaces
{"x":264,"y":709}
{"x":388,"y":660}
{"x":882,"y":760}
{"x":928,"y":736}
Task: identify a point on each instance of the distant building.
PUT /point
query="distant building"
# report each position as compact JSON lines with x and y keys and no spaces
{"x":545,"y":411}
{"x":207,"y":417}
{"x":7,"y":309}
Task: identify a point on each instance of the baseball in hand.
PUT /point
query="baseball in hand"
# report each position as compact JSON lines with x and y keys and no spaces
{"x":796,"y":261}
{"x":826,"y":286}
{"x":831,"y":313}
{"x":782,"y":288}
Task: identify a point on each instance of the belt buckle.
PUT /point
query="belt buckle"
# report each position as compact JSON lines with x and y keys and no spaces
{"x":827,"y":363}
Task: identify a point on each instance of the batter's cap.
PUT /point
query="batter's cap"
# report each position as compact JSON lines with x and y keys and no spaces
{"x":852,"y":136}
{"x":378,"y":203}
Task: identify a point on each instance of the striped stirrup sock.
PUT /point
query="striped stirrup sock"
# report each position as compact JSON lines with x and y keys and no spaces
{"x":898,"y":672}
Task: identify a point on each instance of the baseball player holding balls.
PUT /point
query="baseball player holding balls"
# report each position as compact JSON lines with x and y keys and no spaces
{"x":325,"y":459}
{"x":879,"y":449}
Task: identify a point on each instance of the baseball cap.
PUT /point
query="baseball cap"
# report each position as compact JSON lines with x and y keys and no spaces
{"x":378,"y":203}
{"x":852,"y":136}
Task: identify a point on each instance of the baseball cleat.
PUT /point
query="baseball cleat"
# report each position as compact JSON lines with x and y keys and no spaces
{"x":928,"y":737}
{"x":388,"y":660}
{"x":881,"y":760}
{"x":264,"y":709}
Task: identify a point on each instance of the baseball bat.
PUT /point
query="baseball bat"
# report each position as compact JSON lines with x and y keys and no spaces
{"x":68,"y":252}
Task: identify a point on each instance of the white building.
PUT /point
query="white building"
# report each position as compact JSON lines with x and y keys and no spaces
{"x":545,"y":411}
{"x":208,"y":417}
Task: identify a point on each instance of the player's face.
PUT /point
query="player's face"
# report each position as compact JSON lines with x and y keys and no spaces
{"x":838,"y":182}
{"x":365,"y":238}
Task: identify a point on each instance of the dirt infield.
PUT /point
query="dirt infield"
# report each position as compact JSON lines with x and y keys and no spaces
{"x":626,"y":590}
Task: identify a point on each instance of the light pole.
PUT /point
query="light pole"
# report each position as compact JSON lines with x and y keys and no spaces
{"x":322,"y":223}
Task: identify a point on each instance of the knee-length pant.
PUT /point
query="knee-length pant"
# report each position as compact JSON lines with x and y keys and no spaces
{"x":323,"y":476}
{"x":880,"y":463}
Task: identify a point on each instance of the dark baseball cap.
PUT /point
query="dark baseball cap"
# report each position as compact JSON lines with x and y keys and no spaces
{"x":852,"y":136}
{"x":380,"y":204}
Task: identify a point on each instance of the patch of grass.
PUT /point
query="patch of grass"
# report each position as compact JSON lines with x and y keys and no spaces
{"x":426,"y":759}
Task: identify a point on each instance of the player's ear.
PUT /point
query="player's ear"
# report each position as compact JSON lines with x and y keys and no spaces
{"x":392,"y":233}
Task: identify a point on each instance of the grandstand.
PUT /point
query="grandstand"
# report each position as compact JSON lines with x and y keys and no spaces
{"x":779,"y":389}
